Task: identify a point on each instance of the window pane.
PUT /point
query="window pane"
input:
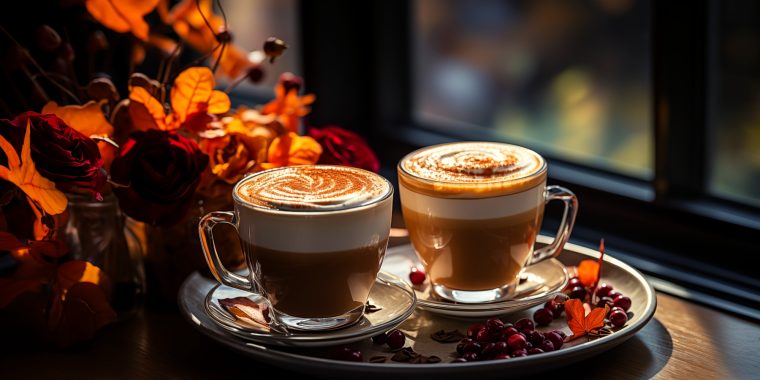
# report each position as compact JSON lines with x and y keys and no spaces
{"x":253,"y":21}
{"x":568,"y":78}
{"x":734,"y":169}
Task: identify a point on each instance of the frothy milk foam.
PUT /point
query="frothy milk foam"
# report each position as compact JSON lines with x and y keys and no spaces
{"x":319,"y":201}
{"x":472,"y":180}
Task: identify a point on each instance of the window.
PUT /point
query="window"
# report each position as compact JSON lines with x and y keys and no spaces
{"x":252,"y":22}
{"x":734,"y":136}
{"x":568,"y":78}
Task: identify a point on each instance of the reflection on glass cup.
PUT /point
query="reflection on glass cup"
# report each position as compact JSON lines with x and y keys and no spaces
{"x":473,"y":210}
{"x":314,"y":238}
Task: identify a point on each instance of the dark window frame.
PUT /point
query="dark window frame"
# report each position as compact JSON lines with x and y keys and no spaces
{"x":357,"y":59}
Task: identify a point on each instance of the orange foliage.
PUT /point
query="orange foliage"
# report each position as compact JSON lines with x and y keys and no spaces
{"x":22,"y":172}
{"x":580,"y":323}
{"x":123,"y":15}
{"x":88,"y":119}
{"x":291,"y":149}
{"x":193,"y":99}
{"x":289,"y":107}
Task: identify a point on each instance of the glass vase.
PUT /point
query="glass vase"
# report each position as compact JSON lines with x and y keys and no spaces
{"x":96,"y":232}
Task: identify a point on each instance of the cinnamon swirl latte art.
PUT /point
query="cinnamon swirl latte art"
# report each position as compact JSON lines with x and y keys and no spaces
{"x":313,"y":188}
{"x":472,"y":169}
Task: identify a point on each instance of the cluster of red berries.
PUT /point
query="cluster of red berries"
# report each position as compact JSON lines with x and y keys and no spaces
{"x":604,"y":294}
{"x":495,"y":339}
{"x":395,"y":340}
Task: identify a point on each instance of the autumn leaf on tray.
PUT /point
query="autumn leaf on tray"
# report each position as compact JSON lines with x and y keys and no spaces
{"x":580,"y":323}
{"x":247,"y":312}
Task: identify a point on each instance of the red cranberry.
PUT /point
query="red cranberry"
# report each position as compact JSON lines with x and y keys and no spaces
{"x":509,"y":331}
{"x":473,"y":330}
{"x":471,"y":357}
{"x":603,"y":290}
{"x":622,"y":302}
{"x":613,"y":294}
{"x":489,"y":350}
{"x":347,"y":354}
{"x":577,"y":292}
{"x":416,"y":276}
{"x":396,"y":339}
{"x":520,"y":352}
{"x":502,"y":356}
{"x":534,"y":351}
{"x":462,"y":343}
{"x":380,"y":339}
{"x":472,"y":347}
{"x":525,"y":324}
{"x":494,"y":325}
{"x":535,"y":337}
{"x":560,"y":333}
{"x":604,"y":301}
{"x":618,"y":318}
{"x":574,"y":281}
{"x":616,"y":308}
{"x":556,"y":339}
{"x":547,"y":346}
{"x":555,"y":307}
{"x":516,"y":342}
{"x":528,"y":345}
{"x":543,"y":317}
{"x":483,"y":336}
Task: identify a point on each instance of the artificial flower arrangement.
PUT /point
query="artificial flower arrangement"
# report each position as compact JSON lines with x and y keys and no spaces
{"x":156,"y":149}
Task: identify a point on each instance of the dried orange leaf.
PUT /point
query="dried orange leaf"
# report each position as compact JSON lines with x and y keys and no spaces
{"x":247,"y":312}
{"x":193,"y":92}
{"x":22,"y":172}
{"x":580,"y":323}
{"x":588,"y":270}
{"x":292,"y":149}
{"x":76,"y":271}
{"x":88,"y":119}
{"x":145,"y":110}
{"x":123,"y":15}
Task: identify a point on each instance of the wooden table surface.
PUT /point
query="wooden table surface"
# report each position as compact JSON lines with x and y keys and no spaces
{"x":683,"y":341}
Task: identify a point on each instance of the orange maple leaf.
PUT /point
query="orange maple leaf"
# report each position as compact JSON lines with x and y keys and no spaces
{"x":289,"y":107}
{"x":123,"y":15}
{"x":193,"y":92}
{"x":88,"y":119}
{"x":23,"y":173}
{"x":145,"y":110}
{"x":291,"y":149}
{"x":580,"y":323}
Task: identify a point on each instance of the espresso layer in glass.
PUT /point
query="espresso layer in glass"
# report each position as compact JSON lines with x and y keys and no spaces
{"x":316,"y":284}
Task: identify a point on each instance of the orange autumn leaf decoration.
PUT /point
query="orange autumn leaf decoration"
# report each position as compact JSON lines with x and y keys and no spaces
{"x":87,"y":119}
{"x":123,"y":15}
{"x":291,"y":149}
{"x":193,"y":92}
{"x":22,"y":172}
{"x":580,"y":323}
{"x":289,"y":107}
{"x":589,"y":271}
{"x":192,"y":97}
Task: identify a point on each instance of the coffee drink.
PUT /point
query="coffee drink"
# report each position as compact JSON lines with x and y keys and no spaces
{"x":473,"y":210}
{"x":314,"y":238}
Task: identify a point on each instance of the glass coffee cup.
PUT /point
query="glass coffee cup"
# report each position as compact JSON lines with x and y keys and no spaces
{"x":473,"y":211}
{"x":314,"y":238}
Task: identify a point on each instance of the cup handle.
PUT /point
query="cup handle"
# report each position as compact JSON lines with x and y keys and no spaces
{"x":565,"y":227}
{"x":205,"y":231}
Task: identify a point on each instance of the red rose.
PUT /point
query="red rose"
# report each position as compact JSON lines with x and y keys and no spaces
{"x":343,"y":147}
{"x":60,"y":153}
{"x":160,"y":171}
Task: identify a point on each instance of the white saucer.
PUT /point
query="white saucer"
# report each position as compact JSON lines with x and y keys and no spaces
{"x":394,"y":298}
{"x":539,"y":283}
